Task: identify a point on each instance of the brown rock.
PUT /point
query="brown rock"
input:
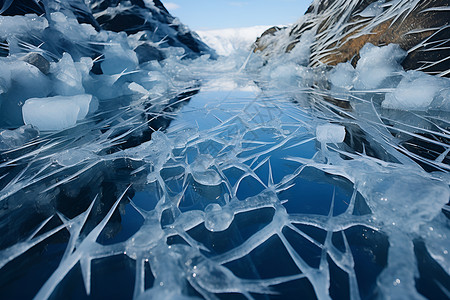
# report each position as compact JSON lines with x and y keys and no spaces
{"x":419,"y":27}
{"x":259,"y":43}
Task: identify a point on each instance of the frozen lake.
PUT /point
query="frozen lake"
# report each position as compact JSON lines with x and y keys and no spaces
{"x":135,"y":163}
{"x":248,"y":192}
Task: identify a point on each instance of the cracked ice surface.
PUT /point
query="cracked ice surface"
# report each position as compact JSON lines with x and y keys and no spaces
{"x":254,"y":193}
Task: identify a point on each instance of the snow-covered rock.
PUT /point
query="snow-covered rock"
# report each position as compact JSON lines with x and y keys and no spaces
{"x":343,"y":28}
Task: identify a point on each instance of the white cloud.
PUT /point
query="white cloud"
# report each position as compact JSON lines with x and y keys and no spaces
{"x":171,"y":6}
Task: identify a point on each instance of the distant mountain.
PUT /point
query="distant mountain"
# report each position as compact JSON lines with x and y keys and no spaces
{"x":226,"y":41}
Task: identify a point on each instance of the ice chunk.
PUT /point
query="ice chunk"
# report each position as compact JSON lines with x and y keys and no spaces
{"x":15,"y":138}
{"x":5,"y":78}
{"x":56,"y":113}
{"x":217,"y":218}
{"x":72,"y":157}
{"x":19,"y":81}
{"x":302,"y":50}
{"x":84,"y":66}
{"x":50,"y":115}
{"x":373,"y":9}
{"x":441,"y":101}
{"x":284,"y":75}
{"x":12,"y":26}
{"x":416,"y":91}
{"x":396,"y":196}
{"x":68,"y":79}
{"x":376,"y":64}
{"x":330,"y":133}
{"x":202,"y":173}
{"x":137,"y":88}
{"x":118,"y":59}
{"x":155,"y":152}
{"x":342,"y":76}
{"x":66,"y":24}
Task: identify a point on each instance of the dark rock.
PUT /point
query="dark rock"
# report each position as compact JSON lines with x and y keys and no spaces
{"x":83,"y":14}
{"x":259,"y":45}
{"x":97,"y":68}
{"x":133,"y":17}
{"x":146,"y":52}
{"x":155,"y":23}
{"x":21,"y":7}
{"x":38,"y":61}
{"x":127,"y":21}
{"x":160,"y":5}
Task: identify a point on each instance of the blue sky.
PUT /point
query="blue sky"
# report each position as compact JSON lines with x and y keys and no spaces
{"x":217,"y":14}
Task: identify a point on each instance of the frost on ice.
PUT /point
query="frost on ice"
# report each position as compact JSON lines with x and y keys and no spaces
{"x":177,"y":176}
{"x":330,"y":133}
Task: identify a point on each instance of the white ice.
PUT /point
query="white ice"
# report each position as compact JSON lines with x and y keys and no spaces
{"x":56,"y":113}
{"x":68,"y":75}
{"x":377,"y":64}
{"x":118,"y":58}
{"x":416,"y":91}
{"x":330,"y":133}
{"x":10,"y":139}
